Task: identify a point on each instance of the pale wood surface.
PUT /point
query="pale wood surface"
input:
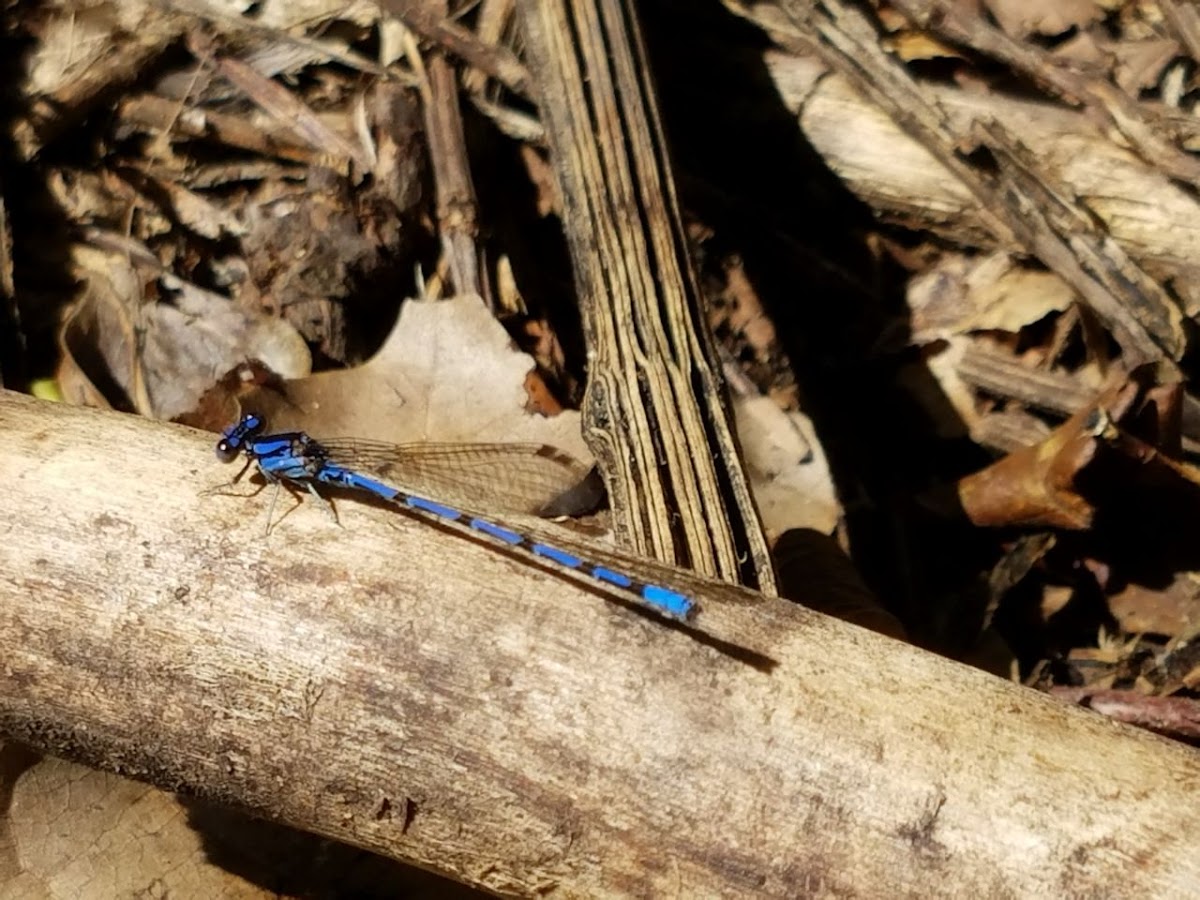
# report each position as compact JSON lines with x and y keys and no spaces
{"x":1023,"y":203}
{"x":406,"y":690}
{"x":1156,"y":220}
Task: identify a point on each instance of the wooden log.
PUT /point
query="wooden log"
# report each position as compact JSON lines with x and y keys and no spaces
{"x":415,"y":693}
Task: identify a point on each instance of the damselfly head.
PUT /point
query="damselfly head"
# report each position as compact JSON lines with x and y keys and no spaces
{"x":234,"y":438}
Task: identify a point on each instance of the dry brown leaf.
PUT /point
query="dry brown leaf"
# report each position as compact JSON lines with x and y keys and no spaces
{"x":742,"y":309}
{"x":78,"y":53}
{"x":1083,"y":52}
{"x":935,"y":384}
{"x":1035,"y":486}
{"x":303,"y":249}
{"x":540,"y":173}
{"x":910,"y":45}
{"x":447,"y":372}
{"x":1043,"y":485}
{"x":75,"y":41}
{"x":789,"y":473}
{"x":72,"y":833}
{"x":76,"y":833}
{"x":160,"y":358}
{"x":89,"y":196}
{"x":989,"y":293}
{"x":1170,"y":610}
{"x":1140,"y":64}
{"x":1021,"y":18}
{"x":814,"y":570}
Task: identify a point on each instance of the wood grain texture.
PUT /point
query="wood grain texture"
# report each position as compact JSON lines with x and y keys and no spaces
{"x":655,"y":412}
{"x":1156,"y":220}
{"x":411,"y":692}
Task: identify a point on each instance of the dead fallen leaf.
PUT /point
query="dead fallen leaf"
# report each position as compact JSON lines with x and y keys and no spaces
{"x":75,"y":832}
{"x":1170,"y":610}
{"x":1040,"y":485}
{"x":290,"y":14}
{"x":935,"y":384}
{"x":912,"y":45}
{"x":160,"y":358}
{"x":447,"y":374}
{"x":1036,"y":486}
{"x":1020,"y":18}
{"x":1084,"y":52}
{"x":1140,"y":64}
{"x":789,"y":474}
{"x":68,"y":832}
{"x":80,"y":48}
{"x":986,"y":293}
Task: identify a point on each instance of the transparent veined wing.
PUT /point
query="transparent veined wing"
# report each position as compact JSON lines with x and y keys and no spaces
{"x":533,"y":479}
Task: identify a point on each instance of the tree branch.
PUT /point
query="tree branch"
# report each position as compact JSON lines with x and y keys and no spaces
{"x":408,"y":691}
